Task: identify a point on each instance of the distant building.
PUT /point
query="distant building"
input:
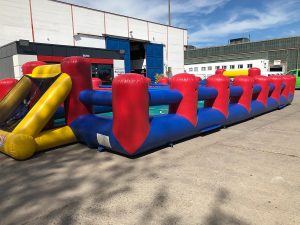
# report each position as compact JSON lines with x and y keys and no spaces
{"x":271,"y":56}
{"x":239,"y":41}
{"x":190,"y":47}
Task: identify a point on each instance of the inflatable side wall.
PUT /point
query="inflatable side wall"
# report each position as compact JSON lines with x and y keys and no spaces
{"x":131,"y":131}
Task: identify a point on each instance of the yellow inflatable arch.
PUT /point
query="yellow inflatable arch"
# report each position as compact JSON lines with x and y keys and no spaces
{"x":28,"y":136}
{"x":235,"y":73}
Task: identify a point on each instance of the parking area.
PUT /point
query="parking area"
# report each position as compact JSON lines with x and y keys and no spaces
{"x":245,"y":174}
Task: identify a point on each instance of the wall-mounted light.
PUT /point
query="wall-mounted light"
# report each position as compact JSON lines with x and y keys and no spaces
{"x":24,"y":43}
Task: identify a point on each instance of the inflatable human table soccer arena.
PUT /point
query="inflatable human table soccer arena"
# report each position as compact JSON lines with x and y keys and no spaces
{"x":29,"y":108}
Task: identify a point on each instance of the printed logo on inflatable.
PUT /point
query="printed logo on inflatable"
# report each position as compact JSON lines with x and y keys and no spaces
{"x":2,"y":140}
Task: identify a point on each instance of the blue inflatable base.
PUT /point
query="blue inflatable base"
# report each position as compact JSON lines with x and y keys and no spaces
{"x":209,"y":119}
{"x":237,"y":113}
{"x":257,"y":108}
{"x":96,"y":131}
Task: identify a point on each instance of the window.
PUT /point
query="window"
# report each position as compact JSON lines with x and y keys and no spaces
{"x":203,"y":68}
{"x":276,"y":69}
{"x":195,"y":69}
{"x":232,"y":67}
{"x":240,"y":66}
{"x":103,"y":71}
{"x":249,"y":65}
{"x":191,"y":69}
{"x":209,"y":68}
{"x":292,"y":72}
{"x":217,"y":67}
{"x":224,"y":67}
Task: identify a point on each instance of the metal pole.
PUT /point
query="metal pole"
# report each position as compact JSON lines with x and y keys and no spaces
{"x":297,"y":59}
{"x":169,"y":7}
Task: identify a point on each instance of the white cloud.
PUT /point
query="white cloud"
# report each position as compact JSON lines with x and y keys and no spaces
{"x":154,"y":10}
{"x":197,"y":7}
{"x":189,"y":13}
{"x":275,"y":14}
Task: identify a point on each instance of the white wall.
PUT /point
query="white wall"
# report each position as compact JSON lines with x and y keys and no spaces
{"x":196,"y":69}
{"x":52,"y":22}
{"x":88,"y":21}
{"x":89,"y":41}
{"x":185,"y":37}
{"x":88,"y":34}
{"x":119,"y":67}
{"x":158,"y":33}
{"x":18,"y":61}
{"x":138,"y":29}
{"x":116,"y":25}
{"x":14,"y":21}
{"x":175,"y":50}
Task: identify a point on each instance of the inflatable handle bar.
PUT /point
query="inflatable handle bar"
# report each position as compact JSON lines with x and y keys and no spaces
{"x":159,"y":85}
{"x":256,"y":89}
{"x":203,"y":82}
{"x":156,"y":97}
{"x":164,"y":96}
{"x":207,"y":93}
{"x":96,"y":97}
{"x":272,"y":87}
{"x":104,"y":86}
{"x":236,"y":91}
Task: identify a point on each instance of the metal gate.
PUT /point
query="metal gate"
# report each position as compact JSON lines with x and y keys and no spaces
{"x":154,"y":60}
{"x":120,"y":44}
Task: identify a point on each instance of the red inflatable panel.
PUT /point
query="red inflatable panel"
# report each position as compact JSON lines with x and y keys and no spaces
{"x":6,"y":85}
{"x":187,"y":85}
{"x":264,"y":93}
{"x":220,"y":71}
{"x":163,"y":80}
{"x":198,"y":79}
{"x":277,"y":81}
{"x":252,"y":72}
{"x":292,"y":84}
{"x":148,"y":80}
{"x":221,"y":83}
{"x":29,"y":66}
{"x":130,"y":102}
{"x":246,"y":83}
{"x":287,"y":81}
{"x":96,"y":83}
{"x":79,"y":70}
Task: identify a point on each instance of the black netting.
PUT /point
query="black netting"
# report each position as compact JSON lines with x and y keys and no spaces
{"x":38,"y":87}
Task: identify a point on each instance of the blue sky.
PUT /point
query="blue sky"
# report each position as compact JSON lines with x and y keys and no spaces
{"x":213,"y":22}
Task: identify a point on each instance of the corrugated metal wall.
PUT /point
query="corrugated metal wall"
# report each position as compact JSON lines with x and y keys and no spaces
{"x":284,"y":49}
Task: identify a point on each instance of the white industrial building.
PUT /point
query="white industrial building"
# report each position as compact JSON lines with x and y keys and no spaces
{"x":144,"y":44}
{"x":204,"y":70}
{"x":272,"y":57}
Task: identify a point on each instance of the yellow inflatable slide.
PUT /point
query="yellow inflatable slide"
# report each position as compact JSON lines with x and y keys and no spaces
{"x":27,"y":110}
